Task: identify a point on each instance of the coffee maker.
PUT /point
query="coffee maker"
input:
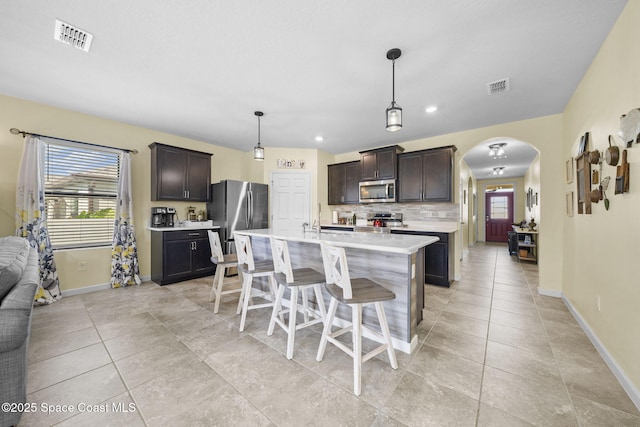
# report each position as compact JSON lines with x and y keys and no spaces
{"x":162,"y":217}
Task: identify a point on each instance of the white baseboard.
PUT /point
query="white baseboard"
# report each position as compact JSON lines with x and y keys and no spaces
{"x":550,"y":293}
{"x":623,"y":379}
{"x":94,"y":288}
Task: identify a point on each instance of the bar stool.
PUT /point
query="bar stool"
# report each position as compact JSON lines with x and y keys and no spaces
{"x":299,"y":279}
{"x":356,"y":293}
{"x":251,"y":269}
{"x":223,"y":262}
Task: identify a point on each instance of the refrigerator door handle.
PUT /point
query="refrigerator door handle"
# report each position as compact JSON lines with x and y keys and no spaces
{"x":246,"y":208}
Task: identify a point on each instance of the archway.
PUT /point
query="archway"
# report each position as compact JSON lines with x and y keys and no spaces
{"x":497,"y":162}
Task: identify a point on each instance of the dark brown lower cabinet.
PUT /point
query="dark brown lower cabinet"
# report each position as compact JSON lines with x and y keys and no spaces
{"x":180,"y":255}
{"x":436,"y":258}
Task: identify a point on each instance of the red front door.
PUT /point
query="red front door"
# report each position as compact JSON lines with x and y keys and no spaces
{"x":499,"y":207}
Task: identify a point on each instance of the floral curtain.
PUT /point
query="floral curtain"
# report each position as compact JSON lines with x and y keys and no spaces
{"x":31,"y":221}
{"x":124,"y":254}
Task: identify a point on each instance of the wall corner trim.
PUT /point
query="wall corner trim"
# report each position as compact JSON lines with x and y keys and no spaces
{"x":623,"y":379}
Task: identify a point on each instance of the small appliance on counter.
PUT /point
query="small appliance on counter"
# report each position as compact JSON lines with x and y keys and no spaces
{"x":191,"y":213}
{"x":162,"y":216}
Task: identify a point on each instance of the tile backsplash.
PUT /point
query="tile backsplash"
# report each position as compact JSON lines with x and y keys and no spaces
{"x":410,"y":211}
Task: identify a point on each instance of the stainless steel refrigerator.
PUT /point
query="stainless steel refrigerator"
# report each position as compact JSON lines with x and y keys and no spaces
{"x":238,"y":205}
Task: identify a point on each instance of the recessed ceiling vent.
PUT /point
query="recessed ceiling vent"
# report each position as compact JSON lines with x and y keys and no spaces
{"x":72,"y":36}
{"x":499,"y":86}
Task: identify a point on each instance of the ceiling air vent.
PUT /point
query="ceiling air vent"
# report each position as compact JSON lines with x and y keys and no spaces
{"x":72,"y":36}
{"x":499,"y":86}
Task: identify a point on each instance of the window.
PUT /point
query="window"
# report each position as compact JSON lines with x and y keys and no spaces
{"x":499,"y":208}
{"x":80,"y":191}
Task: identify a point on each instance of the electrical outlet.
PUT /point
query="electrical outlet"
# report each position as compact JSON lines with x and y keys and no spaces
{"x":598,"y":302}
{"x":442,"y":214}
{"x":82,"y":265}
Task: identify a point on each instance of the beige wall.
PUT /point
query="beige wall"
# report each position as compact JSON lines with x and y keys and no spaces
{"x":38,"y":118}
{"x":316,"y":162}
{"x":600,"y":251}
{"x":531,"y":180}
{"x":544,"y":134}
{"x":466,"y":218}
{"x":583,"y":256}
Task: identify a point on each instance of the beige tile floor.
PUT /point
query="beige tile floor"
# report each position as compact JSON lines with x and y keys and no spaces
{"x":492,"y":352}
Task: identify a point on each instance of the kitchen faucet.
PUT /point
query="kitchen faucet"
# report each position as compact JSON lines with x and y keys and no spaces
{"x":316,"y":223}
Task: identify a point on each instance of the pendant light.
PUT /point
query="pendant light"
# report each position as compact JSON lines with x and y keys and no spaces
{"x":394,"y":112}
{"x":258,"y":150}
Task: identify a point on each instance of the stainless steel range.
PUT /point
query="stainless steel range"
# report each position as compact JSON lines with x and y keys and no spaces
{"x":381,"y":222}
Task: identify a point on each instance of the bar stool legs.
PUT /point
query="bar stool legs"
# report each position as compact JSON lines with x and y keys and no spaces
{"x":355,"y":293}
{"x":223,"y":262}
{"x":251,"y":269}
{"x":298,"y":281}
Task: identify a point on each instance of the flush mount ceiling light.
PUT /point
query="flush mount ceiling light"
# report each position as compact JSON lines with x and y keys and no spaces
{"x":498,"y":171}
{"x":497,"y":150}
{"x":319,"y":138}
{"x":258,"y":150}
{"x":431,"y":109}
{"x":394,"y":112}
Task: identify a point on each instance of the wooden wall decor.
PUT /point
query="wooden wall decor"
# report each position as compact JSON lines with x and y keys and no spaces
{"x":583,"y":179}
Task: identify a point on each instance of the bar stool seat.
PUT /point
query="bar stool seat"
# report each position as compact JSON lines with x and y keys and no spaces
{"x":355,"y":293}
{"x":222,"y":262}
{"x":296,"y":280}
{"x":364,"y":291}
{"x":251,"y":269}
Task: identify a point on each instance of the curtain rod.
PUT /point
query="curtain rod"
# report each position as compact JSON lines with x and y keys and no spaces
{"x":24,"y":133}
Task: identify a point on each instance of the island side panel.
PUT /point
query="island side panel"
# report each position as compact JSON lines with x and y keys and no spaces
{"x":393,"y":271}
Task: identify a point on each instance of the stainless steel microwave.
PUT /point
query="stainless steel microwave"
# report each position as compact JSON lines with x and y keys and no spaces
{"x":383,"y":191}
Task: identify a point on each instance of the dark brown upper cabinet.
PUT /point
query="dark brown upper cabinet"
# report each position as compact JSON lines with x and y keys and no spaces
{"x":381,"y":163}
{"x":343,"y":183}
{"x":426,"y":175}
{"x":178,"y":174}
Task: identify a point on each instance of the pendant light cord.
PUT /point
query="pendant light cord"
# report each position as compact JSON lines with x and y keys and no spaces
{"x":258,"y":130}
{"x":393,"y":82}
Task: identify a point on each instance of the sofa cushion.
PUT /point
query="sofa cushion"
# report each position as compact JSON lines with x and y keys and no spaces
{"x":14,"y":252}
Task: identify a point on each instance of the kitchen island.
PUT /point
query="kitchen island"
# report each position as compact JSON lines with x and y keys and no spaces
{"x":394,"y":261}
{"x":442,"y":259}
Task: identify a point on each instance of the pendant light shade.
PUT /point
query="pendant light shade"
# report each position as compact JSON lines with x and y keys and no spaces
{"x":394,"y":112}
{"x":258,"y":150}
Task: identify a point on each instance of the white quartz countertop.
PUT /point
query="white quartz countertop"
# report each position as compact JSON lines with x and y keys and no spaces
{"x":384,"y":242}
{"x":185,"y":228}
{"x":427,"y":226}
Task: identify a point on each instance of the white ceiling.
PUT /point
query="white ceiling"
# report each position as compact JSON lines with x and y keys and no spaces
{"x":200,"y":69}
{"x":516,"y":159}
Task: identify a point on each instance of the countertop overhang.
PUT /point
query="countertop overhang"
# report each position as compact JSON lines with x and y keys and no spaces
{"x":424,"y":226}
{"x":184,"y":228}
{"x":392,"y":243}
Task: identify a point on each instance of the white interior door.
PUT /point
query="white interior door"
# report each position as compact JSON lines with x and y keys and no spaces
{"x":290,"y":200}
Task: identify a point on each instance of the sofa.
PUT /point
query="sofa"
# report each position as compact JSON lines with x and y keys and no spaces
{"x":19,"y":279}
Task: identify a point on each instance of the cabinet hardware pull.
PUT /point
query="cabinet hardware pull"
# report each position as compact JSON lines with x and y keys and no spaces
{"x":194,"y":234}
